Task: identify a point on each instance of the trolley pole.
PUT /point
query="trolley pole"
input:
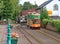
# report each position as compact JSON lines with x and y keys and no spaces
{"x":9,"y":33}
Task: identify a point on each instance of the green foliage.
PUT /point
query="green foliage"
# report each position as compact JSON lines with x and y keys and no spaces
{"x":28,"y":5}
{"x":9,"y":9}
{"x":1,"y":8}
{"x":44,"y":14}
{"x":54,"y":23}
{"x":44,"y":22}
{"x":16,"y":8}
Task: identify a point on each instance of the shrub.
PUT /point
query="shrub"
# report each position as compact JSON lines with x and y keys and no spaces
{"x":54,"y":23}
{"x":44,"y":22}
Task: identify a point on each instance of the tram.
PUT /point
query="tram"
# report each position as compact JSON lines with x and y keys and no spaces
{"x":33,"y":20}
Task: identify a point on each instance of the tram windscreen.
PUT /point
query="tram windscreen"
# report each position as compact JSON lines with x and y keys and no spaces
{"x":36,"y":21}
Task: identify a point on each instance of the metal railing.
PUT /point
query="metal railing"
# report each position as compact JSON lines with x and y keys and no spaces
{"x":9,"y":33}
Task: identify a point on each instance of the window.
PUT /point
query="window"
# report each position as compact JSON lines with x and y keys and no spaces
{"x":55,"y":7}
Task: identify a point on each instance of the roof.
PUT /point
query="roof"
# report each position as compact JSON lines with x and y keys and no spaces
{"x":44,"y":4}
{"x":25,"y":12}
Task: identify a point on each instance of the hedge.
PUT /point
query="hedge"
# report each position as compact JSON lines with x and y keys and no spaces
{"x":54,"y":23}
{"x":44,"y":22}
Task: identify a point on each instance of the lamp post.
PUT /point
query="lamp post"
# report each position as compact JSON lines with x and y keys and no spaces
{"x":9,"y":33}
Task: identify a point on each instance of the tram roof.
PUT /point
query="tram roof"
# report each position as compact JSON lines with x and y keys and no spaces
{"x":35,"y":14}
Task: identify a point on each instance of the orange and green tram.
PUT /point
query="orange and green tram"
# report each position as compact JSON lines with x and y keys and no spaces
{"x":33,"y":20}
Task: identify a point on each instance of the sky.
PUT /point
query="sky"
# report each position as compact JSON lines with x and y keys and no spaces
{"x":38,"y":2}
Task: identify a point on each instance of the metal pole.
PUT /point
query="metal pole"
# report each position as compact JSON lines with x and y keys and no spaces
{"x":9,"y":33}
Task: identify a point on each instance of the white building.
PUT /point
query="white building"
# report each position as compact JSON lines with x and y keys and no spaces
{"x":53,"y":7}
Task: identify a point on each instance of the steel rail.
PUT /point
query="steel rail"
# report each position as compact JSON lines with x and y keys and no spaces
{"x":39,"y":41}
{"x":50,"y":36}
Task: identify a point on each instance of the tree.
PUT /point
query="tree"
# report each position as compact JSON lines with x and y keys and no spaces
{"x":16,"y":8}
{"x":28,"y":5}
{"x":17,"y":11}
{"x":8,"y":8}
{"x":1,"y":8}
{"x":44,"y":14}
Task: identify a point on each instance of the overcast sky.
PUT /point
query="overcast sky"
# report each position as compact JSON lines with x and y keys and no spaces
{"x":38,"y":2}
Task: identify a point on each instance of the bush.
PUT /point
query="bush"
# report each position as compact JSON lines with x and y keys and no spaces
{"x":54,"y":23}
{"x":44,"y":22}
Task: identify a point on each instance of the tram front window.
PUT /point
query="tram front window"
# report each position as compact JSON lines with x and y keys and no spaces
{"x":36,"y":21}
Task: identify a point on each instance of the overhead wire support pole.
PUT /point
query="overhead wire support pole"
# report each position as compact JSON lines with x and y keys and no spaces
{"x":9,"y":33}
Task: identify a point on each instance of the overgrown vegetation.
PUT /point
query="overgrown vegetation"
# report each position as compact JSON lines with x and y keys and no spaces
{"x":9,"y":8}
{"x":28,"y":5}
{"x":44,"y":22}
{"x":44,"y":14}
{"x":54,"y":23}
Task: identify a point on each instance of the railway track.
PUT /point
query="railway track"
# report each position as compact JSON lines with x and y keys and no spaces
{"x":55,"y":34}
{"x":48,"y":35}
{"x":30,"y":40}
{"x":20,"y":32}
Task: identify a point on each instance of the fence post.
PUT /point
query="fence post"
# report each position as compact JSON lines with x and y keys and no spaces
{"x":9,"y":33}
